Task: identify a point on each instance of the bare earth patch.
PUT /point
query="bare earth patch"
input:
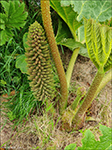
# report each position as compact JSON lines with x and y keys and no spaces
{"x":43,"y":133}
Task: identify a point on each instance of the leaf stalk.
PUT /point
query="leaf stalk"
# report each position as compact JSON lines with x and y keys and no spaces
{"x":45,"y":8}
{"x":71,"y":66}
{"x":89,"y":97}
{"x":104,"y":81}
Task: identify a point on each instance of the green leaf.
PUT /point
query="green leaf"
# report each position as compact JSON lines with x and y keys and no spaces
{"x":21,"y":63}
{"x":3,"y":37}
{"x":70,"y":43}
{"x":83,"y":51}
{"x":15,"y":13}
{"x":6,"y":6}
{"x":67,"y":14}
{"x":2,"y":24}
{"x":16,"y":79}
{"x":108,"y":65}
{"x":8,"y":32}
{"x":70,"y":147}
{"x":63,"y":31}
{"x":98,"y":10}
{"x":17,"y":18}
{"x":99,"y":43}
{"x":81,"y":37}
{"x":16,"y":3}
{"x":3,"y":17}
{"x":89,"y":142}
{"x":63,"y":37}
{"x":3,"y":82}
{"x":14,"y":17}
{"x":18,"y":11}
{"x":109,"y":148}
{"x":11,"y":9}
{"x":106,"y":139}
{"x":18,"y":22}
{"x":25,"y":40}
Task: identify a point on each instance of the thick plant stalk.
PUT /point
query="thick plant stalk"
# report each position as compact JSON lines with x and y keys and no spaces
{"x":81,"y":92}
{"x":70,"y":112}
{"x":89,"y":98}
{"x":45,"y":7}
{"x":71,"y":65}
{"x":105,"y":80}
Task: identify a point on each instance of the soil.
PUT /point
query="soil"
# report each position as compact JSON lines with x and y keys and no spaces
{"x":46,"y":135}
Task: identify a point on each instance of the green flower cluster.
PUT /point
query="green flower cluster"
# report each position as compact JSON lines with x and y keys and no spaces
{"x":39,"y":63}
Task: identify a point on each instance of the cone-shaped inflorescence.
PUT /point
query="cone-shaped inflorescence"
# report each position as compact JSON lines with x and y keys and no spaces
{"x":39,"y":63}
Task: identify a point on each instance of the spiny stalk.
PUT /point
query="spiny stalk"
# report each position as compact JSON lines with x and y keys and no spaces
{"x":45,"y":7}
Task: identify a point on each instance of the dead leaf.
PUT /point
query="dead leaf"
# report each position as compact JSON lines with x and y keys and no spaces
{"x":6,"y":96}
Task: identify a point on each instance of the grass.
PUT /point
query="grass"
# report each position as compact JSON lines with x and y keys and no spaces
{"x":12,"y":79}
{"x":46,"y":133}
{"x":19,"y":103}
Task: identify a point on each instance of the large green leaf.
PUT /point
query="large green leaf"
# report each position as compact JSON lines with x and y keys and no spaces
{"x":99,"y":43}
{"x":3,"y":17}
{"x":64,"y":38}
{"x":21,"y":63}
{"x":108,"y":65}
{"x":105,"y":140}
{"x":89,"y":142}
{"x":14,"y":17}
{"x":70,"y":43}
{"x":67,"y":14}
{"x":70,"y":147}
{"x":2,"y":24}
{"x":62,"y":32}
{"x":83,"y":51}
{"x":98,"y":10}
{"x":17,"y":11}
{"x":11,"y":9}
{"x":2,"y":21}
{"x":6,"y":6}
{"x":17,"y":15}
{"x":5,"y":35}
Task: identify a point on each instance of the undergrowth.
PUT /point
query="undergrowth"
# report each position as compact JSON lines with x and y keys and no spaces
{"x":14,"y":85}
{"x":17,"y":107}
{"x":16,"y":94}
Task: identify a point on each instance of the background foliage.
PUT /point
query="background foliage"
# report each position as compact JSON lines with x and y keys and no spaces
{"x":89,"y":142}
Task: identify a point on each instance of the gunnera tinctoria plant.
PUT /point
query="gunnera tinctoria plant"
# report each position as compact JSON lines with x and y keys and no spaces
{"x":39,"y":63}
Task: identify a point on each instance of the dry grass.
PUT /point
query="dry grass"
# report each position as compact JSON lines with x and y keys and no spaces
{"x":43,"y":133}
